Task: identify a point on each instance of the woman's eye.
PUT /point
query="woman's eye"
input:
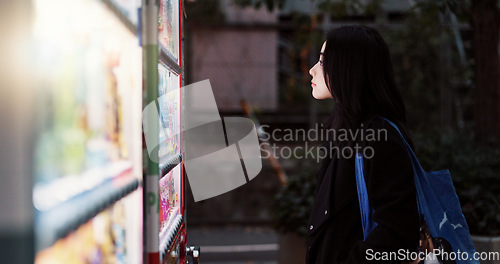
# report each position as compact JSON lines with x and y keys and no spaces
{"x":321,"y":62}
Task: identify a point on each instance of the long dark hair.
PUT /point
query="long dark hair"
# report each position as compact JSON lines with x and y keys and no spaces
{"x":358,"y":72}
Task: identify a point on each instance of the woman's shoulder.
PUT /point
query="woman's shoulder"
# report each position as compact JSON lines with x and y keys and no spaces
{"x":381,"y":126}
{"x":380,"y":133}
{"x":376,"y":121}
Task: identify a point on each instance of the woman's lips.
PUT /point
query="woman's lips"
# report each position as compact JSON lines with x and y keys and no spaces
{"x":313,"y":84}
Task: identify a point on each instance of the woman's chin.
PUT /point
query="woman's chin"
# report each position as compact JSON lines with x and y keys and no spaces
{"x":315,"y":95}
{"x":321,"y":96}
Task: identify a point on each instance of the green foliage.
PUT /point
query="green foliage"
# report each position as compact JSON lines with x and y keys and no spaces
{"x":295,"y":80}
{"x":415,"y":54}
{"x":424,"y":72}
{"x":257,"y":4}
{"x":373,"y":7}
{"x":292,"y":205}
{"x":341,"y":9}
{"x":207,"y":12}
{"x":475,"y":171}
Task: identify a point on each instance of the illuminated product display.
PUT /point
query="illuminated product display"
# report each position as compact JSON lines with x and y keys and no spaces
{"x":169,"y":198}
{"x":96,"y":66}
{"x":169,"y":110}
{"x":85,"y":68}
{"x":87,"y":149}
{"x":168,"y":21}
{"x":101,"y":240}
{"x":171,"y":236}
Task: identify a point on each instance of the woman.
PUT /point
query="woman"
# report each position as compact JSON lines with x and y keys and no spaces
{"x":354,"y":69}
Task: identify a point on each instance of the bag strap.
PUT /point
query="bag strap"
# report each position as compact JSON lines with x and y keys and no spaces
{"x":408,"y":148}
{"x":364,"y":205}
{"x":412,"y":155}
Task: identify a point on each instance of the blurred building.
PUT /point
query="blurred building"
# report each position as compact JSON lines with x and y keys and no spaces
{"x":239,"y":57}
{"x":244,"y":52}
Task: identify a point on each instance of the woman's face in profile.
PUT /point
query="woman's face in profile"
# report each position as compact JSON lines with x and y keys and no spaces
{"x":318,"y":84}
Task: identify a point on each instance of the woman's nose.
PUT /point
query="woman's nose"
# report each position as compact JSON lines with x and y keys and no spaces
{"x":311,"y":70}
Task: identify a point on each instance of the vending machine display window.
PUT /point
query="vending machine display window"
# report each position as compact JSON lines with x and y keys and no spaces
{"x":87,"y":149}
{"x":169,"y":111}
{"x":168,"y":21}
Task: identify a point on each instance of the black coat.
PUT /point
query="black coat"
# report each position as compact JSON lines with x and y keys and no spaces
{"x":335,"y":232}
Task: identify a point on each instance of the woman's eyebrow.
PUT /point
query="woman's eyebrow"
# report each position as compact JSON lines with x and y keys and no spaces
{"x":321,"y":53}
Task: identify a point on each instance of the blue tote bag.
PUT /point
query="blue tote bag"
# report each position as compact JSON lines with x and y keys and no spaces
{"x":438,"y":206}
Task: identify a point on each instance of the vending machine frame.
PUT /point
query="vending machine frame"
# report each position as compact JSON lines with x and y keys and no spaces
{"x":162,"y":245}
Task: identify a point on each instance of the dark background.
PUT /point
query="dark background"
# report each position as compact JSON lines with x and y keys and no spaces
{"x":446,"y":63}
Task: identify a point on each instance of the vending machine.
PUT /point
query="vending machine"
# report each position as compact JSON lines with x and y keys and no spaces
{"x":87,"y":156}
{"x":164,"y":177}
{"x":81,"y":185}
